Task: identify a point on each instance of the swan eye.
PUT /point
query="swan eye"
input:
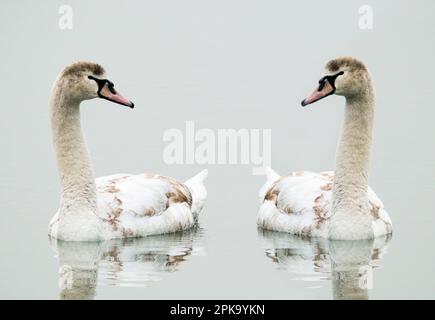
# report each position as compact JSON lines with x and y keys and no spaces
{"x":99,"y":82}
{"x":111,"y":86}
{"x":331,"y":80}
{"x":102,"y":82}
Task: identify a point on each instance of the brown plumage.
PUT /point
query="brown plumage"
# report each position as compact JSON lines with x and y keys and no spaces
{"x":352,"y":63}
{"x":78,"y":68}
{"x":180,"y":192}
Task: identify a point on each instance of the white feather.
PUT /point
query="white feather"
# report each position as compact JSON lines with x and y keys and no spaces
{"x":137,"y":206}
{"x":303,"y":206}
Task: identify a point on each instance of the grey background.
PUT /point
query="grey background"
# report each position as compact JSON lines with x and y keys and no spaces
{"x":224,"y":64}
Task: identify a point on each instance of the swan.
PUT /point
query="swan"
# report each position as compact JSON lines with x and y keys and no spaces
{"x":336,"y":205}
{"x":116,"y":206}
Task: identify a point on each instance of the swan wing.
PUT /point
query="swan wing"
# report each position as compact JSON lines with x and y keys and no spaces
{"x":144,"y":204}
{"x":298,"y":203}
{"x":381,"y":220}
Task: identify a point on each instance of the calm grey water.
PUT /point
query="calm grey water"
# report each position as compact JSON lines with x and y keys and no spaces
{"x":228,"y":64}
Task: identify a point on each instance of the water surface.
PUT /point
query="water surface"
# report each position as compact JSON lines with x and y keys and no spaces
{"x":227,"y":64}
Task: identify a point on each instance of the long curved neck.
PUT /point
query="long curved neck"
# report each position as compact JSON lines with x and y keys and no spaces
{"x":74,"y":164}
{"x":353,"y":155}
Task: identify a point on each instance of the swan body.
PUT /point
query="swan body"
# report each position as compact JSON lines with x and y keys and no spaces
{"x":131,"y":206}
{"x":337,"y":205}
{"x":301,"y":203}
{"x":116,"y":206}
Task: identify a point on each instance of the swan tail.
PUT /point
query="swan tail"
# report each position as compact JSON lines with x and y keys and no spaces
{"x":271,"y":174}
{"x":271,"y":177}
{"x":199,"y":193}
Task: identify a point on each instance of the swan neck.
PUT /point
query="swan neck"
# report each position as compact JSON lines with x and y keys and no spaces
{"x":73,"y":160}
{"x":350,"y":192}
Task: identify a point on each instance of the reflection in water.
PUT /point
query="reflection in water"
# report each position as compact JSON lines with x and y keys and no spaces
{"x":347,"y":264}
{"x":124,"y":262}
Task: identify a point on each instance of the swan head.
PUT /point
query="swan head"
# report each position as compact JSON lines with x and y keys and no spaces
{"x":87,"y":80}
{"x":344,"y":76}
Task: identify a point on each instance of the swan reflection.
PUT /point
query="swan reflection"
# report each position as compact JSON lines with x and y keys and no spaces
{"x":347,"y":264}
{"x":125,"y":262}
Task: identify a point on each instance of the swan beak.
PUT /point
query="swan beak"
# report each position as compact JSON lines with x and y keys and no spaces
{"x":325,"y":89}
{"x":111,"y":94}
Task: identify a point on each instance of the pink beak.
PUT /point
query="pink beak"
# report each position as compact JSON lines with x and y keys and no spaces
{"x":325,"y":91}
{"x":114,"y":96}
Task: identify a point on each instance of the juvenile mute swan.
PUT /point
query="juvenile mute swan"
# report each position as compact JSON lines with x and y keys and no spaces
{"x":117,"y":206}
{"x":337,"y":206}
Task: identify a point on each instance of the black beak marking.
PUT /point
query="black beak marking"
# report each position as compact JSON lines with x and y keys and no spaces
{"x":111,"y":86}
